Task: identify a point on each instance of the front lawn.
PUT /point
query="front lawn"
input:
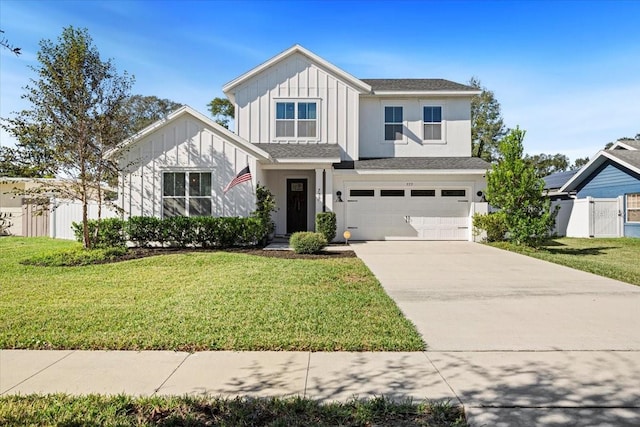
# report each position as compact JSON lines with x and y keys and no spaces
{"x":196,"y":301}
{"x":614,"y":258}
{"x":66,"y":410}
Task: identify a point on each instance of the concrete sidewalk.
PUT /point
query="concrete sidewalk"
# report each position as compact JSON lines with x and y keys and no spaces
{"x":322,"y":376}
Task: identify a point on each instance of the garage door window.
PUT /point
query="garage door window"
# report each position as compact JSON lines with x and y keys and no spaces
{"x":392,"y":193}
{"x":361,"y":193}
{"x":423,"y":193}
{"x":453,"y":193}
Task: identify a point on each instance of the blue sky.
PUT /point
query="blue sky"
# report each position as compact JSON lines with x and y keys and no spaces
{"x":567,"y":72}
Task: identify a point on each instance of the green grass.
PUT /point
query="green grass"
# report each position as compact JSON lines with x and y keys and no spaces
{"x":613,"y":258}
{"x":196,"y":301}
{"x":121,"y":410}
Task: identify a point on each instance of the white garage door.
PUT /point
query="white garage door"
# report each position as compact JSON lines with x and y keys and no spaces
{"x":415,"y":213}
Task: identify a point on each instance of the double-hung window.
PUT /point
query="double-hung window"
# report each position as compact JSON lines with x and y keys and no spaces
{"x":296,"y":120}
{"x":393,"y":124}
{"x":432,"y":122}
{"x":186,"y":194}
{"x":633,"y":207}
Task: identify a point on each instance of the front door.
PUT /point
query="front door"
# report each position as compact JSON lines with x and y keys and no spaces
{"x":296,"y":205}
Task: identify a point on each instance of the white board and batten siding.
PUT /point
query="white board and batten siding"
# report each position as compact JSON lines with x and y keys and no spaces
{"x":297,"y":78}
{"x":185,"y":144}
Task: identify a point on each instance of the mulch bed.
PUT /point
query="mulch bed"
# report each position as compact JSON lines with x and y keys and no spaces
{"x":135,"y":253}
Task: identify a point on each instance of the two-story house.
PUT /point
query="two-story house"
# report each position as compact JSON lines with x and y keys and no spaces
{"x":391,"y":157}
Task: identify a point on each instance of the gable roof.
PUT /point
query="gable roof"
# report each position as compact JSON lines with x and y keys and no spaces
{"x":295,"y":49}
{"x":626,"y":144}
{"x":628,"y":159}
{"x":186,"y":110}
{"x":381,"y":86}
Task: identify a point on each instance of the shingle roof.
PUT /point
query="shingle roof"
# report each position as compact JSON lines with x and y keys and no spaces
{"x":627,"y":156}
{"x":635,"y":143}
{"x":558,"y":179}
{"x":301,"y":151}
{"x":416,"y":85}
{"x":418,"y":163}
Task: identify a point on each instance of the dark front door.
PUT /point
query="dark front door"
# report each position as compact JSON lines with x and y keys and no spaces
{"x":296,"y":205}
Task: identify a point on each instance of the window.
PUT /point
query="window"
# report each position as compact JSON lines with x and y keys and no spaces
{"x":300,"y":121}
{"x":361,"y":193}
{"x":393,"y":123}
{"x":432,"y":119}
{"x":423,"y":193}
{"x":392,"y":193}
{"x":633,"y":207}
{"x":186,"y":194}
{"x":453,"y":193}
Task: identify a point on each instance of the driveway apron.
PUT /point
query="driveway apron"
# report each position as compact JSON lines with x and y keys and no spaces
{"x":520,"y":341}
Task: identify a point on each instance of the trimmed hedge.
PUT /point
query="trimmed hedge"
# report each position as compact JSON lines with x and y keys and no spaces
{"x":178,"y":231}
{"x":307,"y":242}
{"x":326,"y":224}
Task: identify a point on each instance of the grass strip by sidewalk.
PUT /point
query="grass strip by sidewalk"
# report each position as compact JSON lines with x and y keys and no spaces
{"x":614,"y":258}
{"x":60,"y":409}
{"x":196,"y":301}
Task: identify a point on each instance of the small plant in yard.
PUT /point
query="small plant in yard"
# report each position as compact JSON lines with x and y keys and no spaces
{"x":265,"y":204}
{"x":326,"y":224}
{"x":493,"y":223}
{"x":307,"y":242}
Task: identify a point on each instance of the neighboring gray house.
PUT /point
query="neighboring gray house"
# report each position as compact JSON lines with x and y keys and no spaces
{"x":391,"y":157}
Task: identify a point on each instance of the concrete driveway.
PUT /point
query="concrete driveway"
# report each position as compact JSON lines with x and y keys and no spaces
{"x":520,"y":341}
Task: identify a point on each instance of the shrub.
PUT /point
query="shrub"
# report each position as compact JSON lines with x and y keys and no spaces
{"x":265,"y":204}
{"x":307,"y":242}
{"x":76,"y":257}
{"x":104,"y":233}
{"x":179,"y":230}
{"x":143,"y":230}
{"x":494,"y":224}
{"x":326,"y":225}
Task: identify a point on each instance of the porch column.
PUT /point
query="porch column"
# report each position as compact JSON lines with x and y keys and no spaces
{"x":325,"y":190}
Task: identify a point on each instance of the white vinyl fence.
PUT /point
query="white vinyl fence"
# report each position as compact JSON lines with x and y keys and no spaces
{"x":66,"y":212}
{"x":590,"y":217}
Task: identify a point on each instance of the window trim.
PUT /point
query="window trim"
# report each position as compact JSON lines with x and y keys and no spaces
{"x":296,"y":121}
{"x":187,"y":196}
{"x":443,"y":127}
{"x":385,"y":123}
{"x":627,"y":208}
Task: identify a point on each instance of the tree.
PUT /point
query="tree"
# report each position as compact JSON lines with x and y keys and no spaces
{"x":546,"y":164}
{"x":580,"y":162}
{"x":34,"y":156}
{"x":487,"y":125}
{"x":5,"y":43}
{"x":145,"y":110}
{"x":77,"y":111}
{"x":515,"y":189}
{"x":222,"y":111}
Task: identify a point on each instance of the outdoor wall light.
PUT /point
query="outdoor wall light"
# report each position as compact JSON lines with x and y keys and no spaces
{"x":339,"y":196}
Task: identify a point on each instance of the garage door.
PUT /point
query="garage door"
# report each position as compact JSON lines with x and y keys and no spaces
{"x":416,"y":213}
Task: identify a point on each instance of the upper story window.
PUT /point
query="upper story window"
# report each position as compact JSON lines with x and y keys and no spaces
{"x":296,"y":120}
{"x":432,"y":122}
{"x":393,"y":124}
{"x":186,"y":194}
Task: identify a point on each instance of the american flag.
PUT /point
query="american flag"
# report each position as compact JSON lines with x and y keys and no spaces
{"x":243,"y":175}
